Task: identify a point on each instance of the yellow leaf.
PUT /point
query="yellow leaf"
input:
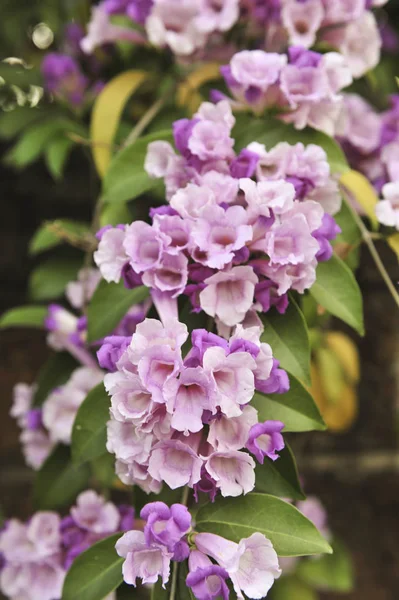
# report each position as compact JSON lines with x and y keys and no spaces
{"x":393,"y":241}
{"x":187,"y":93}
{"x":340,"y":415}
{"x":331,"y":374}
{"x":363,"y":193}
{"x":107,"y":112}
{"x":347,"y":354}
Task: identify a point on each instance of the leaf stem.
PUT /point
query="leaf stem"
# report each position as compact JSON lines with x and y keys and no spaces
{"x":173,"y":586}
{"x":368,"y":238}
{"x":148,"y":116}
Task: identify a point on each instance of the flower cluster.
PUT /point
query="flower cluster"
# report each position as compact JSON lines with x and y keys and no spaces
{"x":191,"y":27}
{"x":189,"y":421}
{"x":302,"y":86}
{"x":251,"y":565}
{"x":37,"y":554}
{"x":350,"y":27}
{"x":371,"y":144}
{"x":69,"y":332}
{"x":43,"y":427}
{"x":233,"y":244}
{"x":68,"y":74}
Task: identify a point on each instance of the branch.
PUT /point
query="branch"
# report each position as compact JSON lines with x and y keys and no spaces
{"x":368,"y":238}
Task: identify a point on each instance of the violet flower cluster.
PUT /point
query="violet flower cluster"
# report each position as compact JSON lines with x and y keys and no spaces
{"x":198,"y":28}
{"x":371,"y":144}
{"x":188,"y":421}
{"x":349,"y":26}
{"x":68,"y":331}
{"x":69,"y":74}
{"x":240,"y":230}
{"x":45,"y":426}
{"x":36,"y":555}
{"x":303,"y":87}
{"x":251,"y":565}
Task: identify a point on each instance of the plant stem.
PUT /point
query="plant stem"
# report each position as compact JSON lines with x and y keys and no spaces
{"x":368,"y":238}
{"x":144,"y":121}
{"x":148,"y":116}
{"x":173,"y":586}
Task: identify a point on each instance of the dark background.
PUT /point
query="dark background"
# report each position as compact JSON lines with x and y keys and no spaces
{"x":355,"y":474}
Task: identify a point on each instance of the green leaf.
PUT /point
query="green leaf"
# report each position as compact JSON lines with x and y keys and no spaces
{"x":291,"y":588}
{"x":24,"y":316}
{"x":336,"y":289}
{"x":350,"y":233}
{"x":290,"y":532}
{"x":103,"y":468}
{"x":270,"y":131}
{"x":59,"y":481}
{"x":51,"y":277}
{"x":113,"y":214}
{"x":13,"y":122}
{"x":95,"y":573}
{"x":89,"y":434}
{"x":296,"y":409}
{"x":45,"y":238}
{"x":288,"y":336}
{"x":56,"y":155}
{"x":125,"y":178}
{"x":55,"y":372}
{"x":333,"y":572}
{"x":280,"y":477}
{"x":35,"y":139}
{"x":109,"y":305}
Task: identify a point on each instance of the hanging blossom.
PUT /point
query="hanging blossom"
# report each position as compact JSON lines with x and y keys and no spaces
{"x":37,"y":554}
{"x":45,"y":426}
{"x":348,"y":26}
{"x":189,"y":27}
{"x":240,"y":230}
{"x":304,"y":87}
{"x":190,"y":422}
{"x":371,"y":144}
{"x":251,"y":565}
{"x":184,"y":26}
{"x":67,"y":331}
{"x":68,"y":74}
{"x":51,"y":423}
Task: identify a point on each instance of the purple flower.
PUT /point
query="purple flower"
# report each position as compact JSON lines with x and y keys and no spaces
{"x":63,"y":77}
{"x":265,"y":439}
{"x":165,"y":526}
{"x":328,"y":231}
{"x":229,"y":294}
{"x":110,"y":257}
{"x":233,"y":472}
{"x":34,"y":419}
{"x":277,"y":382}
{"x":93,"y":514}
{"x":252,"y":564}
{"x":244,"y":165}
{"x":141,"y":561}
{"x":206,"y":485}
{"x":207,"y":581}
{"x":126,"y":514}
{"x":188,"y":397}
{"x":111,"y":350}
{"x":175,"y":463}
